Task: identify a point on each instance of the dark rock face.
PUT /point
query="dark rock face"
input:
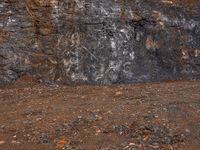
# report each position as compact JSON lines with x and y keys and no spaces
{"x":99,"y":41}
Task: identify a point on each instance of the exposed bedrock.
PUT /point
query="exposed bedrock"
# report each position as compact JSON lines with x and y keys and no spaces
{"x":99,"y":41}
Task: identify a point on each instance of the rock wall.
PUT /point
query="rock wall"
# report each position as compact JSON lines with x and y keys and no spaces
{"x":99,"y":41}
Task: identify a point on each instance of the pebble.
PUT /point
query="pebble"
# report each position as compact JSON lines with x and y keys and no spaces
{"x":2,"y":142}
{"x":38,"y":119}
{"x":2,"y":126}
{"x":109,"y":112}
{"x":80,"y":117}
{"x":132,"y":144}
{"x":15,"y":142}
{"x":165,"y":109}
{"x":155,"y":146}
{"x":156,"y":116}
{"x":187,"y":130}
{"x":98,"y":131}
{"x":118,"y":93}
{"x":29,"y":123}
{"x":98,"y":117}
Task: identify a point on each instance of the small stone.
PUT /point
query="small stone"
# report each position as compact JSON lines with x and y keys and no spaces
{"x":132,"y":144}
{"x":38,"y":119}
{"x":98,"y":131}
{"x":15,"y":142}
{"x":155,"y":146}
{"x":156,"y":116}
{"x":98,"y":117}
{"x":109,"y":112}
{"x":28,"y":123}
{"x":2,"y":142}
{"x":165,"y":109}
{"x":187,"y":130}
{"x":79,"y":117}
{"x":2,"y":126}
{"x":137,"y":37}
{"x":118,"y":93}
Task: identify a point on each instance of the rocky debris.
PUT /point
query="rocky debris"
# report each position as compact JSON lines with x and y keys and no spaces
{"x":156,"y":135}
{"x":99,"y":41}
{"x":125,"y":117}
{"x":120,"y":129}
{"x":148,"y":135}
{"x":44,"y":138}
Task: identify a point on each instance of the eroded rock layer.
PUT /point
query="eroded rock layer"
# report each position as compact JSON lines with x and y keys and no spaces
{"x":99,"y":41}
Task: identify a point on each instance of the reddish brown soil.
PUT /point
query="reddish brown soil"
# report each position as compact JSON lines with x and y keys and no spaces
{"x":129,"y":117}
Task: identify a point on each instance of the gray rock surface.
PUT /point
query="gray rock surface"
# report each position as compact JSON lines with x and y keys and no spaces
{"x":99,"y":41}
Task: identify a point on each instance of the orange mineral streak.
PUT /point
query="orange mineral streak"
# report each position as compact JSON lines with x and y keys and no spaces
{"x":62,"y":142}
{"x":186,"y":3}
{"x":3,"y":36}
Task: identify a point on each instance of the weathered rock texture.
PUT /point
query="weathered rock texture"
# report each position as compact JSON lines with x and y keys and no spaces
{"x":99,"y":41}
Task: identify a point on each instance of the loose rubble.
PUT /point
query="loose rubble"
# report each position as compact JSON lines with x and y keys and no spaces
{"x":123,"y":117}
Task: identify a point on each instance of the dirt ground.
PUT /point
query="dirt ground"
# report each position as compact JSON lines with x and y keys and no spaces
{"x":35,"y":116}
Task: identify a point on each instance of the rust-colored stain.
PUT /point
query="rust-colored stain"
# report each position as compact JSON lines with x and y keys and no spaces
{"x":4,"y":36}
{"x":123,"y":14}
{"x":40,"y":12}
{"x":186,"y":3}
{"x":42,"y":3}
{"x":152,"y":44}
